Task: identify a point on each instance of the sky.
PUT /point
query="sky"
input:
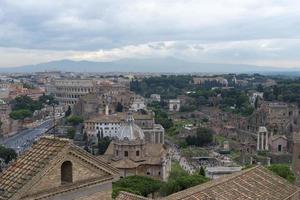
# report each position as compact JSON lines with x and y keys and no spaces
{"x":259,"y":32}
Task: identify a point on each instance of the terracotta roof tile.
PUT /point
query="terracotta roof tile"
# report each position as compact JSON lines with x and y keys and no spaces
{"x":129,"y":196}
{"x":28,"y":165}
{"x":37,"y":159}
{"x":256,"y":183}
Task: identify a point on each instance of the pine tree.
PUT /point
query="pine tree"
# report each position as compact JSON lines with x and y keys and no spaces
{"x":202,"y":171}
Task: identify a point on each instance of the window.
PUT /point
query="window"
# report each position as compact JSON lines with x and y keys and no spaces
{"x":137,"y":153}
{"x":148,"y":173}
{"x":126,"y":153}
{"x":117,"y":152}
{"x":66,"y":172}
{"x":279,"y":148}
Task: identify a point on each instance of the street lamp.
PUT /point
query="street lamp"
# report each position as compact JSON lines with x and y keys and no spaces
{"x":53,"y":117}
{"x":54,"y":125}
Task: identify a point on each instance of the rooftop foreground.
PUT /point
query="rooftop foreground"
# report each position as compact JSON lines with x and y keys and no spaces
{"x":257,"y":183}
{"x":55,"y":168}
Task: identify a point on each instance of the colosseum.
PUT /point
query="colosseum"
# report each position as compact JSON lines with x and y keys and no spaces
{"x":67,"y":91}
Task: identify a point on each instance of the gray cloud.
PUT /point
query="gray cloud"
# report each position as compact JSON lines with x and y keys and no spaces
{"x":224,"y":31}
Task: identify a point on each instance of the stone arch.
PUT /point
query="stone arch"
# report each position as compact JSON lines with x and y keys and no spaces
{"x":66,"y":172}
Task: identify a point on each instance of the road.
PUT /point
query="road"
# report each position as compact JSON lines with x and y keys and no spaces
{"x":24,"y":139}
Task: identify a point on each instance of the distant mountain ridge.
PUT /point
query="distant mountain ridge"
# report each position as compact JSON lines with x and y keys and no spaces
{"x":151,"y":65}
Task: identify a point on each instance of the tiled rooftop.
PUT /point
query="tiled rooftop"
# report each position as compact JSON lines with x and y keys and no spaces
{"x":256,"y":183}
{"x":28,"y":165}
{"x":129,"y":196}
{"x":37,"y":159}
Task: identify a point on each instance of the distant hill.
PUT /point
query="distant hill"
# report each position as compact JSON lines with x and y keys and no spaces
{"x":171,"y":65}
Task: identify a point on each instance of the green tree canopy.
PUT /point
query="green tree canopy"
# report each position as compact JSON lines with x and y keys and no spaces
{"x":284,"y":171}
{"x":68,"y":112}
{"x":202,"y":171}
{"x":203,"y":136}
{"x":119,"y":107}
{"x":140,"y":185}
{"x":161,"y":117}
{"x":48,"y":99}
{"x":28,"y":86}
{"x":20,"y":114}
{"x":180,"y":180}
{"x":7,"y":154}
{"x":103,"y":143}
{"x":26,"y":102}
{"x":71,"y":132}
{"x":75,"y":120}
{"x":167,"y":86}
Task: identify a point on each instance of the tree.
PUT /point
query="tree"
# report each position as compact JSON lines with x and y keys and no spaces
{"x":260,"y":88}
{"x":85,"y":137}
{"x":48,"y":99}
{"x":187,"y":108}
{"x":284,"y":171}
{"x":181,"y":183}
{"x":20,"y":114}
{"x":256,"y":103}
{"x":205,"y":120}
{"x":167,"y":86}
{"x":7,"y":154}
{"x":202,"y":171}
{"x":26,"y":102}
{"x":103,"y":144}
{"x":161,"y":117}
{"x":71,"y":132}
{"x":140,"y":185}
{"x":68,"y":112}
{"x":28,"y":86}
{"x":119,"y":107}
{"x":75,"y":120}
{"x":203,"y":136}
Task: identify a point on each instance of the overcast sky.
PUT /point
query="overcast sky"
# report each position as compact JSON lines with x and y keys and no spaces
{"x":260,"y":32}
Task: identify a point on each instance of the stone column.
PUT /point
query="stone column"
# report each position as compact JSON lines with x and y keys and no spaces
{"x":262,"y":141}
{"x":267,"y":141}
{"x":163,"y":175}
{"x":106,"y":110}
{"x":257,"y":148}
{"x":268,"y":161}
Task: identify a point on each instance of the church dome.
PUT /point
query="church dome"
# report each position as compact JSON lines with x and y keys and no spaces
{"x":130,"y":130}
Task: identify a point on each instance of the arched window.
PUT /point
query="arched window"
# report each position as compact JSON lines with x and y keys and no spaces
{"x":66,"y":172}
{"x":137,"y":153}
